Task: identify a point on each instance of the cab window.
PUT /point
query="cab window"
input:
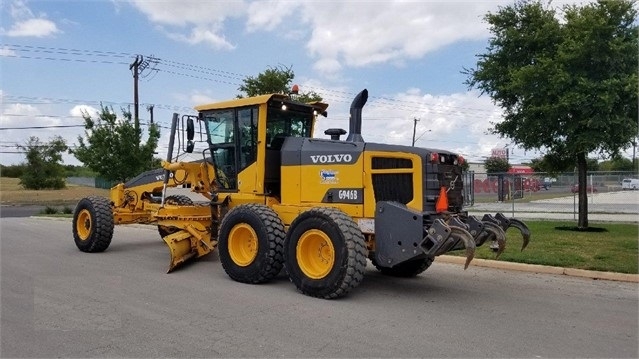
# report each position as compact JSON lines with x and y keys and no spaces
{"x":232,"y":137}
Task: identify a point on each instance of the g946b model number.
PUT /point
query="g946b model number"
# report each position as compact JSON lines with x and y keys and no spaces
{"x":350,"y":194}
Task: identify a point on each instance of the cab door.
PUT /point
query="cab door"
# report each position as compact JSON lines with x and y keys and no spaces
{"x":232,"y":138}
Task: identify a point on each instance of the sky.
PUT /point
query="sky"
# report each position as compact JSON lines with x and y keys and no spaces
{"x":62,"y":58}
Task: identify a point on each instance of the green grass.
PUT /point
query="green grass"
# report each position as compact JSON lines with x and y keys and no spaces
{"x":613,"y":250}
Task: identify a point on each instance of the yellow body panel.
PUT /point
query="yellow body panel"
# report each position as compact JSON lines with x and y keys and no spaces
{"x":314,"y":187}
{"x":369,"y":197}
{"x":291,"y":184}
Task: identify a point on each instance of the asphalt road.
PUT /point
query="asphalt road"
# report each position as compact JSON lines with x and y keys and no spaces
{"x":58,"y":302}
{"x":20,"y":211}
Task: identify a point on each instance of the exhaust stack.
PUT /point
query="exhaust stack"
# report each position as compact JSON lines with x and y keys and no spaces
{"x":355,"y":125}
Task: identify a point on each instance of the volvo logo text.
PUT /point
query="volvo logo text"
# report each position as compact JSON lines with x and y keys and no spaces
{"x":339,"y":158}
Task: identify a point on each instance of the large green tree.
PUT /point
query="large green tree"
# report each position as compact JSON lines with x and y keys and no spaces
{"x":44,"y":169}
{"x":495,"y":165}
{"x":618,"y":164}
{"x":274,"y":80}
{"x":566,"y":79}
{"x":553,"y":165}
{"x":113,"y":147}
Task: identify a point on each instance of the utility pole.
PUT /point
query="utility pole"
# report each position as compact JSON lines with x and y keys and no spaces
{"x":414,"y":130}
{"x":150,"y":109}
{"x":634,"y":150}
{"x":135,"y":67}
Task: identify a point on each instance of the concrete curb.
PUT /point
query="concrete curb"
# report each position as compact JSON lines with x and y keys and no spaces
{"x":536,"y":268}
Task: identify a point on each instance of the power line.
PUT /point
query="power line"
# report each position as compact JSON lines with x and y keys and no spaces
{"x":50,"y":100}
{"x":45,"y":116}
{"x":65,"y":50}
{"x":64,"y":59}
{"x":337,"y":95}
{"x":39,"y":127}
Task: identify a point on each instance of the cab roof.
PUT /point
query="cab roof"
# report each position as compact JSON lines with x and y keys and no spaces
{"x":256,"y":100}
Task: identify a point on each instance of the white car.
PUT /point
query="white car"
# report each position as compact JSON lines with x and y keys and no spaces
{"x":630,"y":183}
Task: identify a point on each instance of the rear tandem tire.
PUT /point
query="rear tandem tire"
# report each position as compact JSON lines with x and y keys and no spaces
{"x":325,"y":253}
{"x":251,"y":243}
{"x":407,"y":269}
{"x":93,"y":224}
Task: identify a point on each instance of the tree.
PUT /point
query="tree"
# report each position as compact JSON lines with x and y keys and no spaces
{"x":13,"y":171}
{"x":496,"y":165}
{"x":44,"y":169}
{"x":274,"y":80}
{"x":113,"y":148}
{"x":567,"y":87}
{"x":554,"y":165}
{"x":617,"y":164}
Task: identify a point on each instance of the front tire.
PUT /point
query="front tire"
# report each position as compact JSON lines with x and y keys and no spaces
{"x":325,"y":253}
{"x":93,"y":224}
{"x":251,"y":243}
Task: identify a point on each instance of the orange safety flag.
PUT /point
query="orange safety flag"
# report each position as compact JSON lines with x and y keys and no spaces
{"x":442,"y":201}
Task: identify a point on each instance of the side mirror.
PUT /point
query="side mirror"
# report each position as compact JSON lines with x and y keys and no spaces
{"x":189,"y":146}
{"x":190,"y":130}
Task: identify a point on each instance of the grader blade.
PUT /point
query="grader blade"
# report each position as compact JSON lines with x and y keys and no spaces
{"x":180,"y":248}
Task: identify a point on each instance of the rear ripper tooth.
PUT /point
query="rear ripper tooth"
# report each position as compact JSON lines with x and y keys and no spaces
{"x":469,"y":243}
{"x":495,"y":231}
{"x":523,"y":228}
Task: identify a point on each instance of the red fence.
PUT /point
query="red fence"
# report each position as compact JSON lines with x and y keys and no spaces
{"x":491,"y":185}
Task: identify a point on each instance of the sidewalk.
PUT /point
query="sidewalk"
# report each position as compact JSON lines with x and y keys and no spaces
{"x":622,"y":206}
{"x":592,"y":217}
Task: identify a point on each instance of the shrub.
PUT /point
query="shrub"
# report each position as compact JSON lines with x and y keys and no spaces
{"x":50,"y":210}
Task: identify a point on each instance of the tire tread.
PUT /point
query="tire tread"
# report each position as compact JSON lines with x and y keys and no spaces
{"x":102,"y":235}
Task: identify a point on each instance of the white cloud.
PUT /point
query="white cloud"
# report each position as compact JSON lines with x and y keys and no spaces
{"x":18,"y":114}
{"x":193,"y":21}
{"x":19,"y":10}
{"x":185,"y":12}
{"x":359,"y":34}
{"x":81,"y":110}
{"x":268,"y":15}
{"x":199,"y":98}
{"x":26,"y":24}
{"x":33,"y":28}
{"x":337,"y":33}
{"x":458,"y":122}
{"x":200,"y":34}
{"x":7,"y":52}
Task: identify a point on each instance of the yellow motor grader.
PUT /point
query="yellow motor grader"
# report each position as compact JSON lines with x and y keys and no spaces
{"x":276,"y":197}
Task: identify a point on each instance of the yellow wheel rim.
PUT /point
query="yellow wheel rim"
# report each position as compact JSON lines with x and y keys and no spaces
{"x":243,"y":244}
{"x":315,"y":254}
{"x":84,"y":224}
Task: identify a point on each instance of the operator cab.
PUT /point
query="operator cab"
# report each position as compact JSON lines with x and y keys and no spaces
{"x":239,"y":132}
